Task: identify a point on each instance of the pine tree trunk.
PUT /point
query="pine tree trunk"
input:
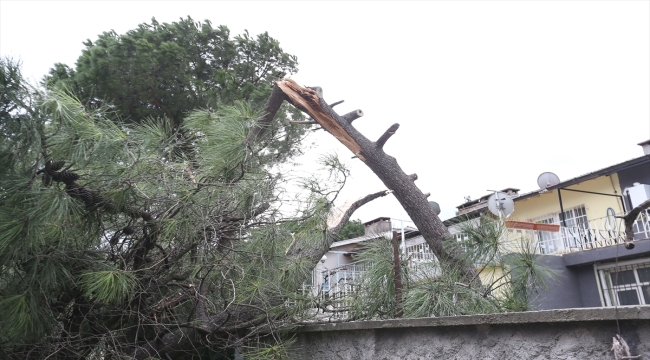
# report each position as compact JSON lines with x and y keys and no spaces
{"x":413,"y":201}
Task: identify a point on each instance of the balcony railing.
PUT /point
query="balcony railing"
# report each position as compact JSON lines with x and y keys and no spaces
{"x":597,"y":233}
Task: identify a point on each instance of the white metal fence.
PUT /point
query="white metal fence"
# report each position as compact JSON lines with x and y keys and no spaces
{"x":597,"y":233}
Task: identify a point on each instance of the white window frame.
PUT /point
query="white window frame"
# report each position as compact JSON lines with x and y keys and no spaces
{"x":605,"y":281}
{"x":556,"y":242}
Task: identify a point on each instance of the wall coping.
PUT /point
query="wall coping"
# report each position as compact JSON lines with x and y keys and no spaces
{"x":637,"y":312}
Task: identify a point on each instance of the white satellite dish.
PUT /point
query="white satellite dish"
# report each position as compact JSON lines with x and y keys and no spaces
{"x":547,"y":179}
{"x":501,"y":204}
{"x":436,"y":208}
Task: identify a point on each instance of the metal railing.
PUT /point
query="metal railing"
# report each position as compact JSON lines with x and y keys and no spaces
{"x":597,"y":233}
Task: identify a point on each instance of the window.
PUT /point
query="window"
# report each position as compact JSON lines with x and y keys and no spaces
{"x":549,"y":242}
{"x":571,"y":235}
{"x":577,"y":225}
{"x":627,"y":284}
{"x":420,"y":252}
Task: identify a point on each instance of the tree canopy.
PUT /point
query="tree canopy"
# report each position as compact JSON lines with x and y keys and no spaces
{"x":352,"y":229}
{"x":167,"y":70}
{"x":110,"y":242}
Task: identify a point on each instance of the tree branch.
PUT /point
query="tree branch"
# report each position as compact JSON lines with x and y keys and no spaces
{"x":338,"y":218}
{"x":336,"y":103}
{"x":270,"y":109}
{"x":629,"y":220}
{"x":352,"y":115}
{"x":385,"y":136}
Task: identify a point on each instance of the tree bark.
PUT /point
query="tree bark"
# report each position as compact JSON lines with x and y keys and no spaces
{"x":629,"y":220}
{"x":387,"y":169}
{"x":300,"y":249}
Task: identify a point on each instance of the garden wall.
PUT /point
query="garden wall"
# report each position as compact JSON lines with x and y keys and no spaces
{"x":553,"y":334}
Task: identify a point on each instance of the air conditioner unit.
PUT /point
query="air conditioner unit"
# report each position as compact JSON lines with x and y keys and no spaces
{"x":638,"y":194}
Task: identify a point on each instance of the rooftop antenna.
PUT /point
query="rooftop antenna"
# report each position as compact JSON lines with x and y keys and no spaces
{"x":500,"y":204}
{"x":547,"y":179}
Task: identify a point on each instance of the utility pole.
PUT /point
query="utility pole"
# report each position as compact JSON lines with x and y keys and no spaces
{"x":398,"y":275}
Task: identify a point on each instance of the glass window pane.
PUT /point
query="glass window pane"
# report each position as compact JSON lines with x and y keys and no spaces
{"x":646,"y":293}
{"x":628,"y":297}
{"x":624,"y":277}
{"x":644,"y":274}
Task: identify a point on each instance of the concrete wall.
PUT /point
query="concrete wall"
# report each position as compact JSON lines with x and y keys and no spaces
{"x":557,"y":334}
{"x":574,"y":287}
{"x":576,"y":282}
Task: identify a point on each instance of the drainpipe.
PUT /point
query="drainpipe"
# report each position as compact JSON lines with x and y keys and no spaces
{"x":397,"y":272}
{"x":616,"y":192}
{"x":403,"y":239}
{"x":559,"y":195}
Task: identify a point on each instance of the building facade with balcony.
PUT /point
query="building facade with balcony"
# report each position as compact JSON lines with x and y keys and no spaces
{"x":594,"y":268}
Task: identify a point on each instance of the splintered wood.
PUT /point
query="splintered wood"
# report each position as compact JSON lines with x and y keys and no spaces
{"x":621,"y":349}
{"x":308,"y":101}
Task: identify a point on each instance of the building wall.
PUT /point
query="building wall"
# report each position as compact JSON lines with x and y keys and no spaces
{"x":588,"y":285}
{"x":595,"y":205}
{"x":335,"y":258}
{"x":563,"y":289}
{"x":555,"y":334}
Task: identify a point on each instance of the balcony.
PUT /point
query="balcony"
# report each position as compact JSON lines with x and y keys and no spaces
{"x":596,"y":233}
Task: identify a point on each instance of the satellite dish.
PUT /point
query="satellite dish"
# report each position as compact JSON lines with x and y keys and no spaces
{"x":547,"y":179}
{"x":501,"y":204}
{"x":436,"y":208}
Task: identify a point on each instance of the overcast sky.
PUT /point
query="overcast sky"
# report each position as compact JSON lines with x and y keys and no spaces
{"x":489,"y":94}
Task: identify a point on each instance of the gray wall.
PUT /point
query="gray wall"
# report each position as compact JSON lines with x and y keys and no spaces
{"x":557,"y":334}
{"x":563,"y":291}
{"x":576,"y":283}
{"x":588,"y":286}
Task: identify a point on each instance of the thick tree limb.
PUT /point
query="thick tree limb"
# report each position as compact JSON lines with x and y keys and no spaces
{"x":386,"y":135}
{"x":352,"y":115}
{"x":308,"y":101}
{"x":629,"y":220}
{"x":338,"y":219}
{"x":388,"y":170}
{"x":89,"y":196}
{"x":270,"y":109}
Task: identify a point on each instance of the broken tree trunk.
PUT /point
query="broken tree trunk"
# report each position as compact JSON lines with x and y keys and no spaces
{"x":413,"y":201}
{"x":629,"y":220}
